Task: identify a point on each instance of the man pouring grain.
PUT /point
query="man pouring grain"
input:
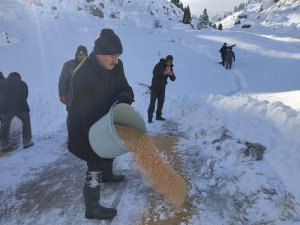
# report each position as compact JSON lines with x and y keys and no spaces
{"x":98,"y":83}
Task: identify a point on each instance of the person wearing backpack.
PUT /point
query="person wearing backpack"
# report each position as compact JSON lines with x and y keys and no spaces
{"x":230,"y":56}
{"x":223,"y":52}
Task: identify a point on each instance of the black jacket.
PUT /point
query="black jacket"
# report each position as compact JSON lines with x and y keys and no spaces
{"x":224,"y":49}
{"x":13,"y":94}
{"x":95,"y":89}
{"x":230,"y":56}
{"x":159,"y":80}
{"x":64,"y":84}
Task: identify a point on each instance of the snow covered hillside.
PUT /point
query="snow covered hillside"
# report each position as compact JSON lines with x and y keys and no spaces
{"x":232,"y":134}
{"x":142,"y":12}
{"x":280,"y":18}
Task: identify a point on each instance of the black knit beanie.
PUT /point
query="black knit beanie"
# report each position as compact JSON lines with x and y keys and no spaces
{"x":108,"y":43}
{"x":82,"y":50}
{"x":169,"y":57}
{"x":15,"y":74}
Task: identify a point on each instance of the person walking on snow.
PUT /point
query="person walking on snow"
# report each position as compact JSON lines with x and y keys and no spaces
{"x":13,"y":102}
{"x":161,"y":72}
{"x":65,"y":78}
{"x":230,"y":56}
{"x":223,"y":52}
{"x":98,"y":83}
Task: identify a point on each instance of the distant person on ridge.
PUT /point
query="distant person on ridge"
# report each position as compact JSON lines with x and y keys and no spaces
{"x":1,"y":78}
{"x":223,"y":52}
{"x":98,"y":83}
{"x":230,"y":56}
{"x":161,"y":72}
{"x":13,"y":102}
{"x":64,"y":84}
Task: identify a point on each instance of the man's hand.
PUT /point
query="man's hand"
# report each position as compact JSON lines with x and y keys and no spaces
{"x":123,"y":99}
{"x":168,"y":71}
{"x":63,"y":99}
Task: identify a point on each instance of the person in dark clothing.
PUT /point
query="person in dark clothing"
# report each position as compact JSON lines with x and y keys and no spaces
{"x":98,"y":83}
{"x":64,"y":84}
{"x":1,"y":76}
{"x":223,"y":52}
{"x":161,"y":72}
{"x":13,"y":102}
{"x":230,"y":56}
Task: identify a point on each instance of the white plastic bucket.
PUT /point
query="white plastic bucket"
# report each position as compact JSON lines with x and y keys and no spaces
{"x":103,"y":136}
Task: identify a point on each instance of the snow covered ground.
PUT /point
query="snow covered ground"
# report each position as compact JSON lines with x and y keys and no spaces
{"x":237,"y":131}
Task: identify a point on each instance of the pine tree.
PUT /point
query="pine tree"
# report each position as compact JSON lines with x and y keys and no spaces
{"x":204,"y":19}
{"x":241,"y":7}
{"x":177,"y":3}
{"x":220,"y":27}
{"x":186,"y":15}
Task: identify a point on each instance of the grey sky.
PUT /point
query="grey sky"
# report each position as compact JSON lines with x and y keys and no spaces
{"x":212,"y":6}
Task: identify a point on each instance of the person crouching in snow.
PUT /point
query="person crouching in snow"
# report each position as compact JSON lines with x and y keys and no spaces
{"x":229,"y":57}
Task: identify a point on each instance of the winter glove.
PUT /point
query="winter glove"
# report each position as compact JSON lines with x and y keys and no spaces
{"x":123,"y":99}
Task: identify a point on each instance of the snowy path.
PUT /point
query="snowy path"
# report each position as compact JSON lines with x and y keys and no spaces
{"x":239,"y":81}
{"x":54,"y":196}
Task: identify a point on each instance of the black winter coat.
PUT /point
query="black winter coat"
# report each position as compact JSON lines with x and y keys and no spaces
{"x":95,"y":90}
{"x":13,"y":94}
{"x":159,"y":80}
{"x":224,"y":49}
{"x":64,"y":84}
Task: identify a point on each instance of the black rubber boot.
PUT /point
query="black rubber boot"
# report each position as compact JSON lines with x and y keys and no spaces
{"x":108,"y":176}
{"x":93,"y":209}
{"x":160,"y":118}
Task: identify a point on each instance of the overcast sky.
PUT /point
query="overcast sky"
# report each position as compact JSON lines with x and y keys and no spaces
{"x":212,"y":6}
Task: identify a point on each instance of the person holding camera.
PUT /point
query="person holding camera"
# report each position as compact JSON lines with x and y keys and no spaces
{"x":161,"y":72}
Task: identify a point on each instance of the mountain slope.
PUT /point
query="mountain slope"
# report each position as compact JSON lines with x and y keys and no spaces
{"x":281,"y":18}
{"x":122,"y":10}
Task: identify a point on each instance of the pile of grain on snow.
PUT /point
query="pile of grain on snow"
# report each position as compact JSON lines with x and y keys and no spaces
{"x":155,"y":169}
